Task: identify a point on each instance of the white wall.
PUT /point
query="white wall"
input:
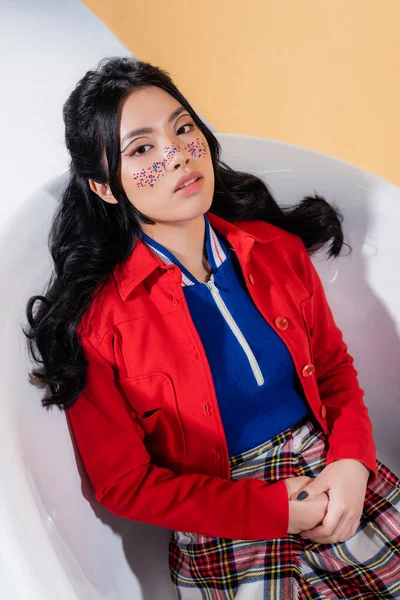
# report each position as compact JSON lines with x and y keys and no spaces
{"x":46,"y":46}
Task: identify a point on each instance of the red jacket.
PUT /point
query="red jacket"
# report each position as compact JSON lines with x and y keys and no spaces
{"x":147,"y":424}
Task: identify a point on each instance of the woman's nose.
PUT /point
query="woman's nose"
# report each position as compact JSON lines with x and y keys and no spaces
{"x":175,"y":155}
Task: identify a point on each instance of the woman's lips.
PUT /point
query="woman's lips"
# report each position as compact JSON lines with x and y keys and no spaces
{"x":188,"y":190}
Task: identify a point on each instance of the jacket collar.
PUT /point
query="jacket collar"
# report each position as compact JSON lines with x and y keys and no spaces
{"x":142,"y":261}
{"x":214,"y":247}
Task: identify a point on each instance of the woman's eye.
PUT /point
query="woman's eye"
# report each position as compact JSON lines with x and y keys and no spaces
{"x":137,"y":150}
{"x":186,"y":125}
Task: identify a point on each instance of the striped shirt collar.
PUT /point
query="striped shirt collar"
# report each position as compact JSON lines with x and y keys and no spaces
{"x":216,"y":250}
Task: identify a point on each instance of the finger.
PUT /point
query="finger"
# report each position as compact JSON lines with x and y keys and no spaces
{"x":311,"y":490}
{"x":300,"y":488}
{"x":329,"y":523}
{"x":346,"y":528}
{"x":326,"y":508}
{"x":334,"y":538}
{"x":332,"y":518}
{"x":321,"y":540}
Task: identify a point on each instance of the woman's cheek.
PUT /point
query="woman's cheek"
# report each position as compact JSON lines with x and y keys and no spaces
{"x":149,"y":177}
{"x":198,"y":148}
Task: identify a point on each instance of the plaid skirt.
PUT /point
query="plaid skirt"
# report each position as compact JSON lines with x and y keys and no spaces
{"x":365,"y":566}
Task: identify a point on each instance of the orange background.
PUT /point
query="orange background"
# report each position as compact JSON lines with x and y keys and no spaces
{"x":323,"y":75}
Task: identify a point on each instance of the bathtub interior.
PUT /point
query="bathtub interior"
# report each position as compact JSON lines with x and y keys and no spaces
{"x":57,"y":541}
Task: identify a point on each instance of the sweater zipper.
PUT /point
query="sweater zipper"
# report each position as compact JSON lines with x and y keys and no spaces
{"x":235,"y":330}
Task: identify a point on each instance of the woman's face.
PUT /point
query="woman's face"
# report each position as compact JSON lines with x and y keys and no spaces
{"x":153,"y":162}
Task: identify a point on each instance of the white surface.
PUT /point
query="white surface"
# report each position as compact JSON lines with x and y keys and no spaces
{"x":56,"y":541}
{"x":46,"y":46}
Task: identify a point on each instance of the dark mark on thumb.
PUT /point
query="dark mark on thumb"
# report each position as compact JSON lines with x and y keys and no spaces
{"x":302,"y":496}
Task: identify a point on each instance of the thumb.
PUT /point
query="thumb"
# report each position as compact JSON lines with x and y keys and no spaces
{"x":316,"y":487}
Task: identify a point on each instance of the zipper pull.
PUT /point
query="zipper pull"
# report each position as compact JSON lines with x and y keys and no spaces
{"x":210,"y":284}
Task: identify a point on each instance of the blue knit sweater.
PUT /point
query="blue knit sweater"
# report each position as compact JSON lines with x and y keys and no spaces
{"x":258,"y":391}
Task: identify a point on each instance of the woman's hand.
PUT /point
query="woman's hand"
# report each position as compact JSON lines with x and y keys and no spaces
{"x":345,"y":481}
{"x":304,"y":515}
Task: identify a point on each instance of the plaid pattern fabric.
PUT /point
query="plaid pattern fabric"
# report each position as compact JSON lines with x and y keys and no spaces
{"x":365,"y":566}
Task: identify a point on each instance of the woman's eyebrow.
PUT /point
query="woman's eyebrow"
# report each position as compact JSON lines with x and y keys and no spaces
{"x":143,"y":130}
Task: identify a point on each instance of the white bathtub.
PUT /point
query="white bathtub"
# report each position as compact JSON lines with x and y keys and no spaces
{"x":56,"y":541}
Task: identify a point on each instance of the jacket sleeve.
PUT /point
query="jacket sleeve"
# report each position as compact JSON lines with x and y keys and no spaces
{"x":348,"y":419}
{"x":128,"y":484}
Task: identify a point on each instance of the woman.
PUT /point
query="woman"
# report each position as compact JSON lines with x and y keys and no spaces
{"x":187,"y":335}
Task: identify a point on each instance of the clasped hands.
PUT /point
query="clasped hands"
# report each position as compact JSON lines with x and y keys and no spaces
{"x":332,"y":509}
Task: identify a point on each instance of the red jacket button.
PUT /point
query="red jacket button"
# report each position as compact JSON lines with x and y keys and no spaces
{"x":308,"y":370}
{"x":281,"y":323}
{"x":323,"y":411}
{"x":251,"y":279}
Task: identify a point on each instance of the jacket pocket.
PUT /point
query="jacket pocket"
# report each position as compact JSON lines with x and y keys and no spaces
{"x":153,"y":401}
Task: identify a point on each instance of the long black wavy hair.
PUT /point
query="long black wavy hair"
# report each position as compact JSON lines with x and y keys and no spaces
{"x":89,"y":237}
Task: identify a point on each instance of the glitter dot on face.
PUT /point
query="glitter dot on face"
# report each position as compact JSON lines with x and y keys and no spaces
{"x":149,"y":176}
{"x":167,"y":154}
{"x":198,"y":148}
{"x":156,"y":171}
